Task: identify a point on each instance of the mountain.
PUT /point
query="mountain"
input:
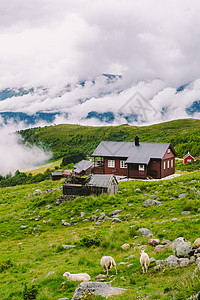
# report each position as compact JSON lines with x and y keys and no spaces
{"x":106,"y":99}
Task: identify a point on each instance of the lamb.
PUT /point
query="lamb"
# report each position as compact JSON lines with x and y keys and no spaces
{"x":144,"y":260}
{"x":107,"y":262}
{"x":77,"y":277}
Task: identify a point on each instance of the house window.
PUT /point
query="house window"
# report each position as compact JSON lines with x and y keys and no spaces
{"x":141,"y":168}
{"x":111,"y":163}
{"x":189,"y":160}
{"x":168,"y":151}
{"x":172,"y":163}
{"x":123,"y":164}
{"x":164,"y":165}
{"x":168,"y":164}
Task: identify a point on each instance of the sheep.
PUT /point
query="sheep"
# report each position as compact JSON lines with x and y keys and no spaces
{"x":144,"y":260}
{"x":107,"y":262}
{"x":77,"y":277}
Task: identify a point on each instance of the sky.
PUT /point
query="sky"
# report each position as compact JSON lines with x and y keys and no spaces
{"x":51,"y":46}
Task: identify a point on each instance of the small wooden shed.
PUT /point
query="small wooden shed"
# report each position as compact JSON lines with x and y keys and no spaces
{"x":93,"y":184}
{"x":188,"y":158}
{"x":56,"y":175}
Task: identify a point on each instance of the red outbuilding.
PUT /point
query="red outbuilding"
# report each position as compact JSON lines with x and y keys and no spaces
{"x":188,"y":158}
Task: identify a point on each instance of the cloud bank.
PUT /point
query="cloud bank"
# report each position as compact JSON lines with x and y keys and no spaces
{"x":16,"y":156}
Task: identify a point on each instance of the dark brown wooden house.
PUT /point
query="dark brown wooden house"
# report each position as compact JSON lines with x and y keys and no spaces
{"x":134,"y":159}
{"x":84,"y":167}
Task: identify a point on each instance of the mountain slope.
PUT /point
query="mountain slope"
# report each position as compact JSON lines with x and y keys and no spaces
{"x":66,"y":139}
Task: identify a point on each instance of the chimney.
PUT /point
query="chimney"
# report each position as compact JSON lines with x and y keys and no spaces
{"x":137,"y":143}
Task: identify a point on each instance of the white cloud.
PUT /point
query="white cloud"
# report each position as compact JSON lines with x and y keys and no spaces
{"x":16,"y":156}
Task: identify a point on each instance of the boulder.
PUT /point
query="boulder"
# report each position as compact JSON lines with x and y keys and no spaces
{"x":186,"y":212}
{"x":151,"y":202}
{"x":125,"y":246}
{"x":171,"y":261}
{"x":196,"y":243}
{"x":145,"y":232}
{"x":181,"y":247}
{"x":116,"y":220}
{"x":154,"y":242}
{"x":96,"y":288}
{"x":184,"y":262}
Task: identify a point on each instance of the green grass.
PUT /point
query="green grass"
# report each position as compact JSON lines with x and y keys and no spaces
{"x":27,"y":256}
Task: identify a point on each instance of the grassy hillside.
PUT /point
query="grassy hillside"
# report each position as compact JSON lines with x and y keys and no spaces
{"x":66,"y":140}
{"x":33,"y":260}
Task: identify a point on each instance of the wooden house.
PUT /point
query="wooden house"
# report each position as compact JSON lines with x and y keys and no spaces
{"x":84,"y":167}
{"x":188,"y":158}
{"x":134,"y":159}
{"x":56,"y":175}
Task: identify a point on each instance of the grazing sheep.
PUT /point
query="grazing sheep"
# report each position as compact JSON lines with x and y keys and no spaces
{"x":144,"y":260}
{"x":77,"y":277}
{"x":107,"y":262}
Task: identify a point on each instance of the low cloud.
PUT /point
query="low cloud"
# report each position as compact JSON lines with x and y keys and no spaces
{"x":16,"y":156}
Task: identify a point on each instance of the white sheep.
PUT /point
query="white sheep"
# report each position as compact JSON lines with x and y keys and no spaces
{"x":77,"y":277}
{"x":144,"y":260}
{"x":107,"y":262}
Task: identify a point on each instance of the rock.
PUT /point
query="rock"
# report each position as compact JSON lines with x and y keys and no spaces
{"x":23,"y":227}
{"x":97,"y":223}
{"x":125,"y":246}
{"x":182,"y":195}
{"x":122,"y":263}
{"x":196,"y":243}
{"x":145,"y":232}
{"x":66,"y":247}
{"x":151,"y":202}
{"x":172,"y":261}
{"x":184,"y":262}
{"x":82,"y":214}
{"x":138,"y":190}
{"x":101,"y":216}
{"x":127,"y":216}
{"x":181,"y":247}
{"x":198,"y":260}
{"x":185,"y":212}
{"x":94,"y":218}
{"x":65,"y":223}
{"x":192,"y":259}
{"x":166,"y":242}
{"x":96,"y":288}
{"x":175,"y":220}
{"x":154,"y":242}
{"x":107,"y":218}
{"x":100,"y":276}
{"x":158,"y":250}
{"x":115,"y":212}
{"x":63,"y":298}
{"x":116,"y":220}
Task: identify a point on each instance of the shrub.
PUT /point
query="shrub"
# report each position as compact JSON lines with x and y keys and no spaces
{"x":89,"y":241}
{"x":30,"y":292}
{"x":5,"y":264}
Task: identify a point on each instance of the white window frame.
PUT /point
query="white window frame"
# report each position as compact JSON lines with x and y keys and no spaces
{"x":172,"y":163}
{"x":168,"y":164}
{"x":164,"y":165}
{"x":123,"y":164}
{"x":141,"y":167}
{"x":111,"y":163}
{"x":168,"y":151}
{"x":189,"y":160}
